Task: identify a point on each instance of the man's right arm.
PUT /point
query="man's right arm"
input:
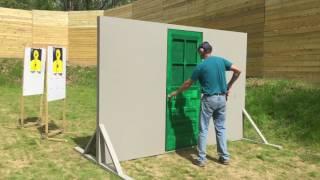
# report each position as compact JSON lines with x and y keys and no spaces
{"x":235,"y":76}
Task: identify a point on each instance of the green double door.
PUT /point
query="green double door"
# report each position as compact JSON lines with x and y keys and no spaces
{"x":182,"y":113}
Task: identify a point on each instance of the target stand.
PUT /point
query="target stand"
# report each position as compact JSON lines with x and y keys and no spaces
{"x":32,"y":83}
{"x":44,"y":74}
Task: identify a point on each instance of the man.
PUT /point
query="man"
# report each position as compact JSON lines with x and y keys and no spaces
{"x":212,"y":78}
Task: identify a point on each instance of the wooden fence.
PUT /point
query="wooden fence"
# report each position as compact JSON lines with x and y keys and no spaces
{"x":283,"y":36}
{"x":15,"y":32}
{"x":292,"y":39}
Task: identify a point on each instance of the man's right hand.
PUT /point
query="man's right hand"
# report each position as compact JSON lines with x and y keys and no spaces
{"x":173,"y":94}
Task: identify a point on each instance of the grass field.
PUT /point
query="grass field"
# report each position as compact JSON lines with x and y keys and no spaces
{"x":286,"y":112}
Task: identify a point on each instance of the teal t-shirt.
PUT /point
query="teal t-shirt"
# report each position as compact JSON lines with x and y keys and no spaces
{"x":211,"y":74}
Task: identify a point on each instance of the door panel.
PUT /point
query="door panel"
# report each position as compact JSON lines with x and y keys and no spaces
{"x":177,"y":51}
{"x":182,"y":119}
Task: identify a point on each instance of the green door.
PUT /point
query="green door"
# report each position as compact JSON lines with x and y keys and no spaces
{"x":182,"y":113}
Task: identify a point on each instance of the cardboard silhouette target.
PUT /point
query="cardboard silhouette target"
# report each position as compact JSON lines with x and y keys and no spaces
{"x":56,"y":73}
{"x":33,"y":81}
{"x":33,"y":72}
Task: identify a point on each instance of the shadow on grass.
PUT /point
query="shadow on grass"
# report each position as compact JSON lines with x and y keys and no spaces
{"x":191,"y":154}
{"x":83,"y":142}
{"x":52,"y":128}
{"x":31,"y":119}
{"x":28,"y":120}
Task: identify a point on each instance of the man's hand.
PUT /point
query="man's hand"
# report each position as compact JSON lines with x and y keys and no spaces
{"x":182,"y":88}
{"x":173,"y":94}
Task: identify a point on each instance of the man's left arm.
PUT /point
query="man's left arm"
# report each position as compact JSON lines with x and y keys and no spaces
{"x":235,"y":76}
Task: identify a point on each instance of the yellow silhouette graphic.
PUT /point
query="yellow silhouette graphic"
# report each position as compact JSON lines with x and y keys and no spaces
{"x":35,"y":64}
{"x":57,"y":63}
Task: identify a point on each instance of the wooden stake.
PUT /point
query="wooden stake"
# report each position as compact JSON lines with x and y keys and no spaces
{"x":56,"y":139}
{"x":21,"y":121}
{"x":64,"y":115}
{"x":54,"y":132}
{"x":46,"y":119}
{"x":46,"y":116}
{"x":30,"y":124}
{"x":40,"y":113}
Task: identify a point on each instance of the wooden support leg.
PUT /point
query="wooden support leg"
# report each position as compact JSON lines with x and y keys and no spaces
{"x":58,"y":140}
{"x":40,"y":111}
{"x":21,"y":120}
{"x":46,"y":125}
{"x":54,"y":132}
{"x":64,"y":115}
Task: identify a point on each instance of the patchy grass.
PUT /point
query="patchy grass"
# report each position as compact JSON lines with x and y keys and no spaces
{"x":286,"y":111}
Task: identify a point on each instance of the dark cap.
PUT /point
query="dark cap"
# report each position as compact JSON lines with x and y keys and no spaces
{"x":205,"y":47}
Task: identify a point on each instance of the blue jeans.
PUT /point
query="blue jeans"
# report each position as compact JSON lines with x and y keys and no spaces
{"x":215,"y":107}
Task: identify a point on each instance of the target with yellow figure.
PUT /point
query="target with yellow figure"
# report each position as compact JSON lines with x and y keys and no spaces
{"x":57,"y":61}
{"x":32,"y":82}
{"x":35,"y":64}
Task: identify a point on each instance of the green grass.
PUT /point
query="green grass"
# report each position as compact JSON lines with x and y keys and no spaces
{"x":286,"y":112}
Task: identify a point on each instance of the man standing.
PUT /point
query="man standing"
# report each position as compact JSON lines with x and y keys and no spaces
{"x":215,"y":90}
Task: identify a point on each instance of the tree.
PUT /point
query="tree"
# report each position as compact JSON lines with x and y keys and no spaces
{"x":90,"y":4}
{"x":65,"y":5}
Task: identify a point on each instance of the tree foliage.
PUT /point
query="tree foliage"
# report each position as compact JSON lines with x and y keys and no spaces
{"x":90,"y":4}
{"x":65,"y":5}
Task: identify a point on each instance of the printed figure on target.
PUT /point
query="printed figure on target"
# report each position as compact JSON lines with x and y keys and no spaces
{"x":57,"y":61}
{"x":35,"y":59}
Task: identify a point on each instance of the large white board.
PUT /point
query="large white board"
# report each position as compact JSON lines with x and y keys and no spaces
{"x":33,"y":71}
{"x":56,"y":73}
{"x":132,"y":83}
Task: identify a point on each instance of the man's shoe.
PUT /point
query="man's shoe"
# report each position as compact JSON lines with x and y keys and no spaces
{"x":224,"y":161}
{"x":200,"y":163}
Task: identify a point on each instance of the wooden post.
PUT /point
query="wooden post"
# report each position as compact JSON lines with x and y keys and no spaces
{"x":46,"y":118}
{"x":21,"y":121}
{"x":64,"y":115}
{"x":40,"y":112}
